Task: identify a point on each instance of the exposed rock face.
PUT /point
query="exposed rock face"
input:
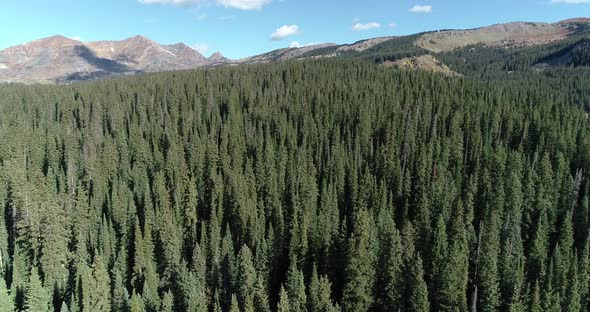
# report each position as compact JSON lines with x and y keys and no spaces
{"x":62,"y":59}
{"x":217,"y":57}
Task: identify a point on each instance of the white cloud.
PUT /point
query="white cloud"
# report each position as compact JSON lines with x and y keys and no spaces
{"x":201,"y":47}
{"x":297,"y":44}
{"x":284,"y":32}
{"x":235,"y":4}
{"x":367,"y":26}
{"x":77,"y":38}
{"x":244,"y":4}
{"x":428,"y":8}
{"x":571,"y":1}
{"x":393,"y":24}
{"x":170,"y":2}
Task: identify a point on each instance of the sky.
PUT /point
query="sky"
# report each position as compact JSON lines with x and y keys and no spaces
{"x":240,"y":28}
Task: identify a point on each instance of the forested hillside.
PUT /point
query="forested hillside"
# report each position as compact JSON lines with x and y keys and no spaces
{"x":334,"y":185}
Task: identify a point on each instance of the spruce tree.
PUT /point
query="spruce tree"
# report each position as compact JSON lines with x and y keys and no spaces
{"x":37,"y":297}
{"x":284,"y":305}
{"x":167,"y":302}
{"x":246,"y":277}
{"x":360,"y":267}
{"x":416,"y":289}
{"x":390,"y":276}
{"x":100,"y":289}
{"x":296,"y":289}
{"x":6,"y":302}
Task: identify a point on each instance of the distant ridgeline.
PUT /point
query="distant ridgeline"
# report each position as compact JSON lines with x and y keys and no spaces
{"x":329,"y":185}
{"x":478,"y":59}
{"x":488,"y":52}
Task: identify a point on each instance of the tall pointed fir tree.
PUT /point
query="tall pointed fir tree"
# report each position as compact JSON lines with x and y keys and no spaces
{"x":360,"y":269}
{"x":37,"y":297}
{"x":6,"y":302}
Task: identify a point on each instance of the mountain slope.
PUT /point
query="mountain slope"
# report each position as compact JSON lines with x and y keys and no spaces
{"x":505,"y":35}
{"x":503,"y":45}
{"x":59,"y":58}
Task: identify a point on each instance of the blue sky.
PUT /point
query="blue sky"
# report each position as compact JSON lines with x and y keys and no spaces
{"x":240,"y":28}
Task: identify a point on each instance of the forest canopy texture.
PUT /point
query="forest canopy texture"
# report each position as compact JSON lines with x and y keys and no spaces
{"x":333,"y":185}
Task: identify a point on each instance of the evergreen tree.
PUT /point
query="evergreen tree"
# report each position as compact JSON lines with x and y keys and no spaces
{"x":235,"y":306}
{"x":360,"y":268}
{"x":296,"y":289}
{"x":325,"y":303}
{"x":99,"y":288}
{"x":246,"y":277}
{"x":390,"y":260}
{"x":37,"y":297}
{"x":210,"y":189}
{"x":416,"y":289}
{"x":488,"y":267}
{"x":439,"y":265}
{"x":167,"y":302}
{"x":284,"y":305}
{"x":6,"y":302}
{"x":136,"y":304}
{"x":572,"y":298}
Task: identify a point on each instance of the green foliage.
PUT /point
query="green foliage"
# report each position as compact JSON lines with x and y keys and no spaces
{"x":416,"y":289}
{"x":284,"y":305}
{"x":304,"y":186}
{"x":360,"y":268}
{"x":6,"y":302}
{"x":99,"y":288}
{"x":167,"y":302}
{"x":37,"y":297}
{"x":581,"y":54}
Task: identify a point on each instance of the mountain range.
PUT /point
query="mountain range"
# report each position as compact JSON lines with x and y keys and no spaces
{"x":61,"y":59}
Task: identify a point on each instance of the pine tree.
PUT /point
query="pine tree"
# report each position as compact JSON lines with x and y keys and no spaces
{"x":325,"y":303}
{"x":284,"y":304}
{"x":167,"y":302}
{"x":488,"y":267}
{"x":360,"y":266}
{"x":538,"y":252}
{"x":100,"y":290}
{"x":416,"y":289}
{"x":314,"y":290}
{"x":390,"y":260}
{"x":296,"y":289}
{"x":235,"y":306}
{"x":192,"y":294}
{"x":136,"y":304}
{"x":584,"y":274}
{"x":246,"y":278}
{"x":6,"y":302}
{"x":572,"y":298}
{"x":535,"y":299}
{"x":54,"y":249}
{"x":454,"y":277}
{"x":120,"y":295}
{"x":37,"y":297}
{"x":64,"y":307}
{"x":261,"y":296}
{"x":439,"y":265}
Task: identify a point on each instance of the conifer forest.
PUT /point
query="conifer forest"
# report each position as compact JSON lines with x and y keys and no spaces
{"x":319,"y":185}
